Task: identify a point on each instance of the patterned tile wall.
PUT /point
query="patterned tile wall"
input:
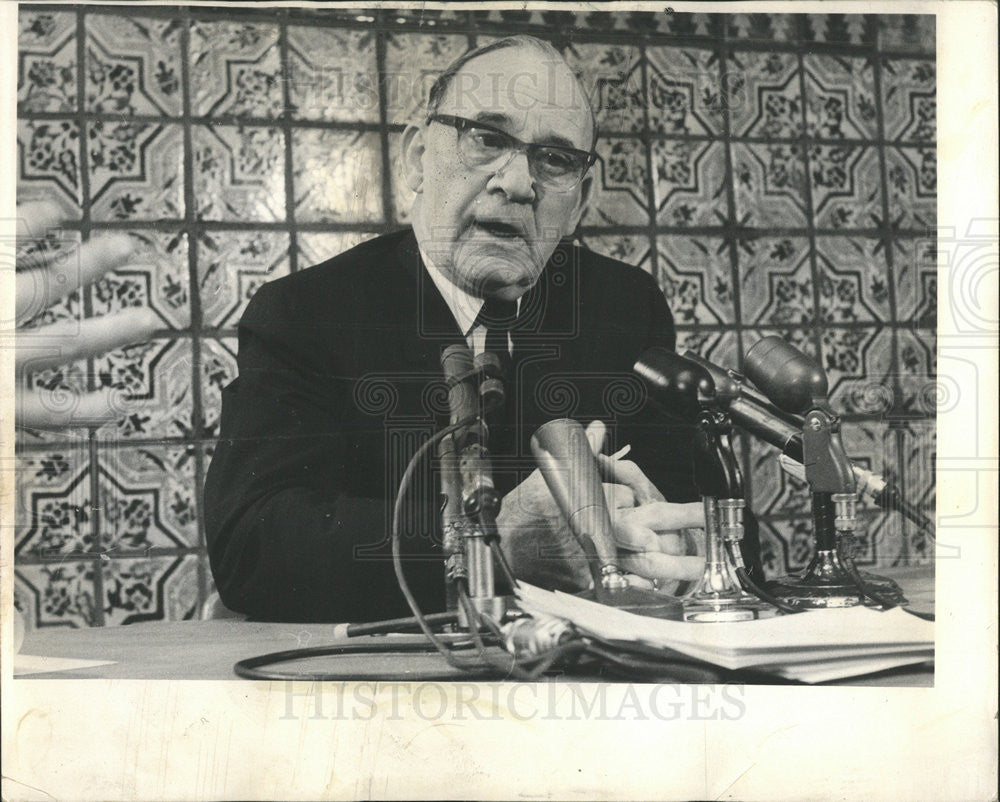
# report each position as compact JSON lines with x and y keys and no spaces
{"x":776,"y":173}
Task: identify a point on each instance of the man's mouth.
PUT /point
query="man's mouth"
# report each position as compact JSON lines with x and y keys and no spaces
{"x":499,"y":229}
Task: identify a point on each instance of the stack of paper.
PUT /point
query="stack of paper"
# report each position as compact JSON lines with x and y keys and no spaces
{"x":817,"y":646}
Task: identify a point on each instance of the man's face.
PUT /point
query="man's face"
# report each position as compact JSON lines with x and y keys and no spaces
{"x":492,"y":232}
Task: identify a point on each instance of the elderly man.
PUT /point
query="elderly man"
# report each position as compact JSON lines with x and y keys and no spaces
{"x":336,"y":361}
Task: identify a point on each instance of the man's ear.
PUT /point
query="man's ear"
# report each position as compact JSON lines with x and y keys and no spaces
{"x":413,"y":157}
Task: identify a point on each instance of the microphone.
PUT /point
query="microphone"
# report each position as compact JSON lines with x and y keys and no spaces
{"x":793,"y":381}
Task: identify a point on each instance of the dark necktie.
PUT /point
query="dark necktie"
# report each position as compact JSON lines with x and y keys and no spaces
{"x":498,"y":317}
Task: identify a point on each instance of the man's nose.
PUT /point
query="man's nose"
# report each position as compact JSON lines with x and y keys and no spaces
{"x":515,"y":180}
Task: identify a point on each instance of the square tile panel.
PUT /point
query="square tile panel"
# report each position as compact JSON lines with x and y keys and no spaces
{"x":771,"y":489}
{"x":239,"y":173}
{"x":60,"y":594}
{"x":632,"y":248}
{"x":853,"y":280}
{"x":57,"y":389}
{"x":775,"y":281}
{"x":218,"y":369}
{"x":696,"y":277}
{"x":763,"y":94}
{"x":152,"y":389}
{"x":412,"y":63}
{"x":332,"y":74}
{"x":622,"y":178}
{"x":909,"y":99}
{"x":133,"y":65}
{"x":337,"y":176}
{"x":684,"y":96}
{"x":156,"y":276}
{"x":769,"y":182}
{"x":846,"y":186}
{"x":150,"y":589}
{"x":231,"y":266}
{"x":786,"y":545}
{"x":690,"y":182}
{"x":147,"y":497}
{"x":912,"y":187}
{"x":924,"y":392}
{"x":48,"y":163}
{"x":136,"y":171}
{"x":915,"y":275}
{"x":717,"y":346}
{"x":611,"y":75}
{"x":840,"y":97}
{"x":918,"y":449}
{"x":858,"y":365}
{"x":235,"y":69}
{"x":317,"y":247}
{"x":54,"y":510}
{"x":46,"y":68}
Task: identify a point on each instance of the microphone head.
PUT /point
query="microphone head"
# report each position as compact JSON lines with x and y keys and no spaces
{"x":790,"y":379}
{"x":456,"y":360}
{"x":676,"y":383}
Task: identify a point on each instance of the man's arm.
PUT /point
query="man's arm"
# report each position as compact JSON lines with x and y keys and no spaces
{"x":281,"y":531}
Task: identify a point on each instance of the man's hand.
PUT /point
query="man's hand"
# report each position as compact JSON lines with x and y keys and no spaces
{"x":41,"y":280}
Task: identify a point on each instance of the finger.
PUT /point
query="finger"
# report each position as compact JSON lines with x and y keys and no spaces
{"x":664,"y":516}
{"x":70,"y":340}
{"x":35,"y":218}
{"x":59,"y":409}
{"x":636,"y":581}
{"x":664,"y":567}
{"x":596,"y":432}
{"x":38,"y":288}
{"x":626,"y":472}
{"x":619,"y":497}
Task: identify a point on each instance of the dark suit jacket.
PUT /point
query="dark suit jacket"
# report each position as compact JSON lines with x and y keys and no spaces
{"x":340,"y":382}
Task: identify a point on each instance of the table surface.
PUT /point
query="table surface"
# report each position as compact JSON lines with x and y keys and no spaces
{"x":208,"y":650}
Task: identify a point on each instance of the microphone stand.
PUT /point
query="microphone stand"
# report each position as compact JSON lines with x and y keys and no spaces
{"x":718,"y":595}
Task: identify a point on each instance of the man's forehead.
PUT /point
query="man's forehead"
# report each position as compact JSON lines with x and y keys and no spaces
{"x":523,"y":85}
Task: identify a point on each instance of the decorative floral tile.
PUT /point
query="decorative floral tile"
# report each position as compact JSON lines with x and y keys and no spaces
{"x":153,"y":384}
{"x":231,"y":266}
{"x":632,"y":248}
{"x":147,"y":498}
{"x":156,"y":276}
{"x":622,"y":183}
{"x":133,"y":65}
{"x":611,"y":75}
{"x":846,"y":186}
{"x":690,"y":187}
{"x":918,"y":447}
{"x":337,"y":176}
{"x":332,"y":74}
{"x":840,"y":97}
{"x":858,"y":365}
{"x":235,"y":69}
{"x":769,"y":182}
{"x":48,"y":163}
{"x":763,"y":27}
{"x":912,"y":187}
{"x":719,"y":346}
{"x":61,"y":594}
{"x":136,"y":171}
{"x":853,"y":280}
{"x":150,"y":589}
{"x":239,"y":173}
{"x":923,"y":392}
{"x":908,"y":32}
{"x":775,"y":281}
{"x":786,"y":545}
{"x":840,"y":28}
{"x":317,"y":247}
{"x":57,"y":388}
{"x":402,"y":195}
{"x":218,"y":368}
{"x":915,"y":272}
{"x":909,"y":103}
{"x":763,"y":94}
{"x":773,"y":491}
{"x":54,"y":512}
{"x":695,"y":274}
{"x":46,"y":70}
{"x":412,"y":63}
{"x":684,"y":96}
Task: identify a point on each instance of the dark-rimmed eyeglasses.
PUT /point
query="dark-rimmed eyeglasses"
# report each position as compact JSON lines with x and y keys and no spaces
{"x":486,"y":148}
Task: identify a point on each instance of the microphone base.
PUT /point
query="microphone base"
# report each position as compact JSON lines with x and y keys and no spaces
{"x":638,"y":601}
{"x":826,"y":583}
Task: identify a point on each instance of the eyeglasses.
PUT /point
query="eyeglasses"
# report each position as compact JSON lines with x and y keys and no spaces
{"x":483,"y":147}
